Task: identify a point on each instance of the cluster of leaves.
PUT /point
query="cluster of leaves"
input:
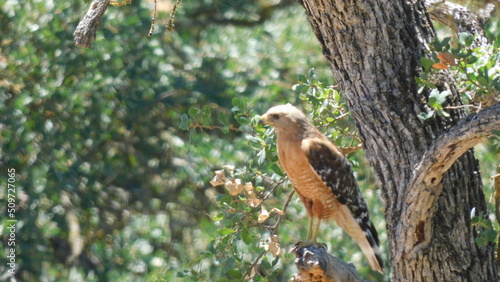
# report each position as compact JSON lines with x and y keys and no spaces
{"x":245,"y":241}
{"x":475,"y":68}
{"x":100,"y":126}
{"x":328,"y":111}
{"x":484,"y":226}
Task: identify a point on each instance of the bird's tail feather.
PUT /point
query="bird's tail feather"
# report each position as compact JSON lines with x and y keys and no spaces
{"x":371,"y":251}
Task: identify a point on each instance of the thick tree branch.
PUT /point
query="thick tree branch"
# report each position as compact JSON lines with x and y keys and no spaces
{"x":315,"y":264}
{"x":458,"y":18}
{"x":425,"y":186}
{"x":86,"y":30}
{"x":453,"y":143}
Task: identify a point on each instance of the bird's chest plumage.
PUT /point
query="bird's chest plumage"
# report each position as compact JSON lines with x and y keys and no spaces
{"x":304,"y":179}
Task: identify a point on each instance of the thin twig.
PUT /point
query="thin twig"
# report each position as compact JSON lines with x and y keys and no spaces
{"x":464,"y":69}
{"x":152,"y":28}
{"x":460,"y":107}
{"x":351,"y":149}
{"x":170,"y":24}
{"x":126,"y":2}
{"x":247,"y":273}
{"x":276,"y":185}
{"x":341,"y":116}
{"x":275,"y":229}
{"x":285,"y":207}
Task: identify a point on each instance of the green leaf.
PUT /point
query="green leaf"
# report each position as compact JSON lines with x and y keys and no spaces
{"x":246,"y":236}
{"x":192,"y":134}
{"x":184,"y":122}
{"x":443,"y":46}
{"x":243,"y":120}
{"x":433,"y":102}
{"x":206,"y":113}
{"x":222,"y":118}
{"x":483,"y":81}
{"x":424,"y":116}
{"x":475,"y":220}
{"x":265,"y":263}
{"x":218,"y":217}
{"x":206,"y":110}
{"x":275,"y":261}
{"x":133,"y":161}
{"x":443,"y":113}
{"x":183,"y":273}
{"x":254,"y":139}
{"x":225,"y":231}
{"x":311,"y":73}
{"x":465,"y":39}
{"x":302,"y":78}
{"x":300,"y":88}
{"x":490,"y":235}
{"x":223,"y":198}
{"x":436,"y":98}
{"x":235,"y":273}
{"x":426,"y":63}
{"x":194,"y":112}
{"x":262,"y":157}
{"x":211,"y":247}
{"x":479,"y":242}
{"x":420,"y":81}
{"x":276,"y":169}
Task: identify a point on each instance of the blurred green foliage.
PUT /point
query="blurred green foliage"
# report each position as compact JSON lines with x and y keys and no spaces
{"x":476,"y":70}
{"x":114,"y":146}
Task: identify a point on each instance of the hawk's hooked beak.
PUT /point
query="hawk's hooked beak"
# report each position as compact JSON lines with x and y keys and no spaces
{"x":263,"y":120}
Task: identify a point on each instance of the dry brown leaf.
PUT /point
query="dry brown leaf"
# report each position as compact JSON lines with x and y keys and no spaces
{"x":230,"y":169}
{"x":447,"y":58}
{"x":440,"y":66}
{"x":219,"y":178}
{"x":263,"y":215}
{"x":234,"y":187}
{"x":274,"y":247}
{"x":248,"y":186}
{"x":252,"y":199}
{"x":276,"y":210}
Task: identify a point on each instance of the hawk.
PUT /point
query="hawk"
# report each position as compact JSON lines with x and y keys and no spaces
{"x":323,"y":179}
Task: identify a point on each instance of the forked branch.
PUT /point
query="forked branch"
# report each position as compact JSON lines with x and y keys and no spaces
{"x":459,"y":18}
{"x":425,"y":186}
{"x":454,"y":142}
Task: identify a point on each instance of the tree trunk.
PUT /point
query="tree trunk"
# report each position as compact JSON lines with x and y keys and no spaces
{"x":429,"y":185}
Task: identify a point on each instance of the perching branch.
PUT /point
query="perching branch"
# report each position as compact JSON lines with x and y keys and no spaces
{"x":86,"y":30}
{"x":315,"y":264}
{"x":426,"y":181}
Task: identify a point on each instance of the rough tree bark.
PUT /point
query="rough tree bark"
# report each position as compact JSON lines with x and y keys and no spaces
{"x":429,"y":177}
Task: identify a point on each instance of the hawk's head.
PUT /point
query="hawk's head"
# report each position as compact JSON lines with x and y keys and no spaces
{"x":285,"y":118}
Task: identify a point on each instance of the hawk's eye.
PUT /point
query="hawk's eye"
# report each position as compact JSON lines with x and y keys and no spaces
{"x":275,"y":116}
